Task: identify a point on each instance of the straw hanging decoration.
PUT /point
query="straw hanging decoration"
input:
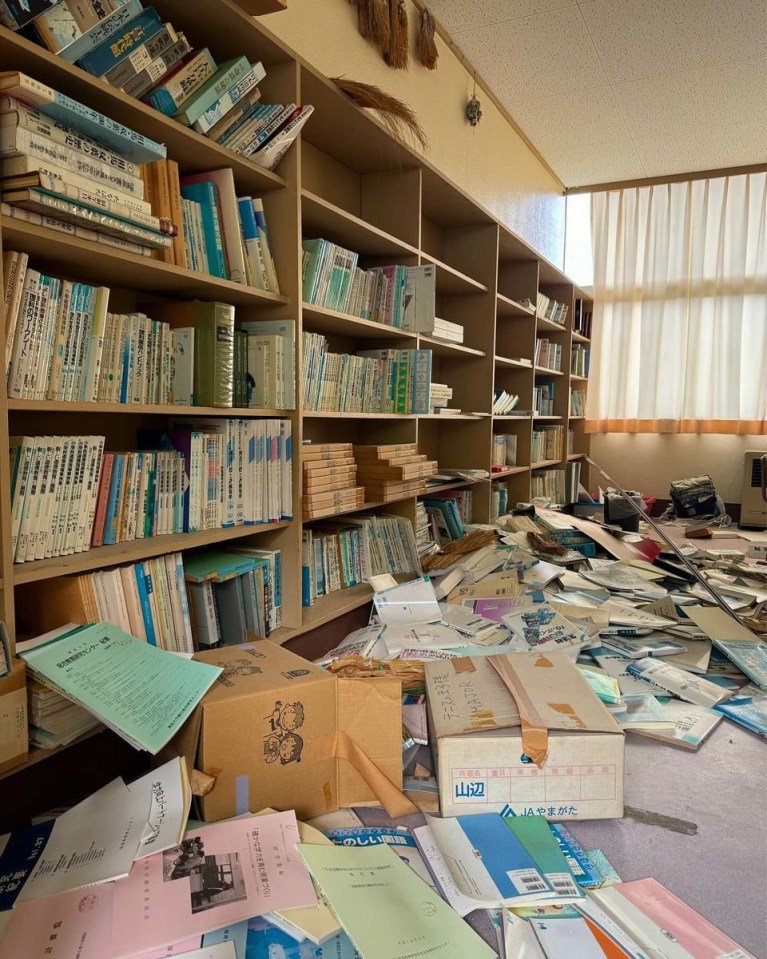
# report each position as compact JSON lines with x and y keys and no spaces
{"x":397,"y":117}
{"x":427,"y":47}
{"x":373,"y":20}
{"x":397,"y":51}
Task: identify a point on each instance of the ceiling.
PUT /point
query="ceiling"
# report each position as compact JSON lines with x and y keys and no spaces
{"x":612,"y":90}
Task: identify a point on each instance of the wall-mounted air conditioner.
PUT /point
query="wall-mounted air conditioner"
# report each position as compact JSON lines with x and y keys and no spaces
{"x":753,"y":507}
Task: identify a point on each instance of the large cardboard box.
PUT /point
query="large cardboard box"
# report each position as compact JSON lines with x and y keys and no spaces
{"x":523,"y":733}
{"x":276,"y":730}
{"x":14,"y":736}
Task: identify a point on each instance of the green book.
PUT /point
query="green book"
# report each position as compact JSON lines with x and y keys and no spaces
{"x":387,"y":911}
{"x":213,"y":346}
{"x":536,"y":836}
{"x":314,"y":248}
{"x":227,"y":75}
{"x":216,"y":565}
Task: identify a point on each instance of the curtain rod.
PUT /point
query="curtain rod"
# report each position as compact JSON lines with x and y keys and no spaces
{"x":669,"y":178}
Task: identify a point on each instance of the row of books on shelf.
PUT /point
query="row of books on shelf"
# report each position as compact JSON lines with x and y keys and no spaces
{"x":397,"y":295}
{"x":579,"y":360}
{"x":53,"y":170}
{"x":551,"y":309}
{"x":546,"y":444}
{"x":133,"y":50}
{"x":548,"y":354}
{"x":499,"y":500}
{"x":577,"y":402}
{"x":63,"y":344}
{"x":448,"y":514}
{"x":504,"y":453}
{"x":582,"y":319}
{"x":371,"y":381}
{"x":504,"y":403}
{"x":543,"y":399}
{"x":339,"y":554}
{"x":68,"y":494}
{"x":559,"y":486}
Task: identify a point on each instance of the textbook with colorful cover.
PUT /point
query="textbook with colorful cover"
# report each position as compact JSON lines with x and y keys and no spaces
{"x":143,"y":693}
{"x":536,"y":836}
{"x":747,"y":707}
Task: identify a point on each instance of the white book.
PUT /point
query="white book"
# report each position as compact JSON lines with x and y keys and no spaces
{"x":678,"y":682}
{"x":183,"y":365}
{"x":38,"y":491}
{"x":25,"y":334}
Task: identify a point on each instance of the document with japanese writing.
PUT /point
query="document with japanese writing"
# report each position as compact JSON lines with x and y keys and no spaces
{"x":141,"y":692}
{"x":219,"y":874}
{"x":386,"y":910}
{"x":170,"y":797}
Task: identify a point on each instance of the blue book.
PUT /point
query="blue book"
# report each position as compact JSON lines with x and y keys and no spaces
{"x":227,"y":75}
{"x":146,"y":609}
{"x":747,"y":707}
{"x":112,"y":522}
{"x":128,"y":360}
{"x":18,"y":858}
{"x":242,"y":112}
{"x":216,"y":565}
{"x":750,"y":656}
{"x":266,"y":941}
{"x":586,"y":874}
{"x":121,"y":43}
{"x":206,"y":195}
{"x":101,"y":31}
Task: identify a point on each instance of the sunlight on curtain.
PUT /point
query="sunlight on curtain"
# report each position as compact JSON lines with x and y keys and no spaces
{"x":680,"y":314}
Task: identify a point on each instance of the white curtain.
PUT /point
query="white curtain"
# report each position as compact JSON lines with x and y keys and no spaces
{"x":680,"y":308}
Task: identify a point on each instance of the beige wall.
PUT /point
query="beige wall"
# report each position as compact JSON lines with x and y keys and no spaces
{"x":490,"y":161}
{"x":649,"y":462}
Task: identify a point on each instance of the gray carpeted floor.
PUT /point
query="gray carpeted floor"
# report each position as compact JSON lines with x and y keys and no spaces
{"x":697,"y":822}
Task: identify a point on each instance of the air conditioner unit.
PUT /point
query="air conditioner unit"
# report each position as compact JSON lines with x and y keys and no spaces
{"x":753,"y":507}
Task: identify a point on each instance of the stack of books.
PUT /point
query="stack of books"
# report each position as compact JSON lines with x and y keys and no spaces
{"x":546,"y":444}
{"x":447,"y":523}
{"x":72,"y":169}
{"x":219,"y":233}
{"x":549,"y":309}
{"x":548,"y":354}
{"x":399,"y":296}
{"x":147,"y":600}
{"x":548,"y":485}
{"x":582,"y":320}
{"x":340,"y":554}
{"x":55,"y":720}
{"x":543,"y":399}
{"x":131,"y":49}
{"x":424,"y":540}
{"x":577,"y":403}
{"x":451,"y":332}
{"x":372,"y":381}
{"x":233,"y":593}
{"x":440,"y":395}
{"x":503,"y":402}
{"x":504,"y":451}
{"x":329,"y":480}
{"x":579,"y":360}
{"x":392,"y":471}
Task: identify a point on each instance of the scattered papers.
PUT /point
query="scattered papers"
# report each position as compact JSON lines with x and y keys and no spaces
{"x":541,"y":574}
{"x":428,"y":636}
{"x":541,"y":628}
{"x":365,"y":642}
{"x":407,"y":603}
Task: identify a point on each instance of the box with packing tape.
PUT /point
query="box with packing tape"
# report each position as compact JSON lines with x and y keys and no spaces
{"x":523,"y":734}
{"x":276,"y":730}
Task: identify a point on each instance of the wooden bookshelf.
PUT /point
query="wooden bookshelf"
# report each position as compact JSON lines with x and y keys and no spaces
{"x":348,"y":181}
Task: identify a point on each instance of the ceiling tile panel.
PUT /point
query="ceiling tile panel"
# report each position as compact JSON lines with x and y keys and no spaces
{"x":738,"y":145}
{"x":654,"y":38}
{"x":536,"y":56}
{"x":696,"y":100}
{"x":459,"y":16}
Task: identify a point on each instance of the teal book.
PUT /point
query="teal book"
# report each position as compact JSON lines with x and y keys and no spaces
{"x":314,"y":249}
{"x":216,"y":565}
{"x":227,"y":75}
{"x":121,"y":43}
{"x":749,"y":656}
{"x":143,"y":693}
{"x":206,"y":195}
{"x":536,"y":836}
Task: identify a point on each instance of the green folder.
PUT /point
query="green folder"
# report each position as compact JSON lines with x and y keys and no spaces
{"x":537,"y":838}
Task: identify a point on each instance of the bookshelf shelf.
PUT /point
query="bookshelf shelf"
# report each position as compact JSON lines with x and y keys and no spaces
{"x":571,"y":417}
{"x":320,"y":218}
{"x":127,"y":409}
{"x":575,"y":456}
{"x":445,"y":416}
{"x":511,"y":471}
{"x":37,"y":755}
{"x":321,"y":320}
{"x":506,"y":307}
{"x":193,"y":151}
{"x":541,"y":323}
{"x":507,"y":361}
{"x":82,"y":259}
{"x":541,"y":464}
{"x":578,"y":338}
{"x":132,"y":552}
{"x":537,"y":416}
{"x":335,"y":604}
{"x":445,"y":348}
{"x":545,"y":371}
{"x":581,"y":379}
{"x":458,"y":484}
{"x":452,"y":281}
{"x":320,"y":414}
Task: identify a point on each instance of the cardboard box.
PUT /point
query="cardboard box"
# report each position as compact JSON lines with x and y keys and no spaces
{"x":523,"y":733}
{"x":14,"y":736}
{"x":276,"y":730}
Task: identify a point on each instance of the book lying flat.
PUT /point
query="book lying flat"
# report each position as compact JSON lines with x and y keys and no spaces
{"x":692,"y":724}
{"x":143,"y":693}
